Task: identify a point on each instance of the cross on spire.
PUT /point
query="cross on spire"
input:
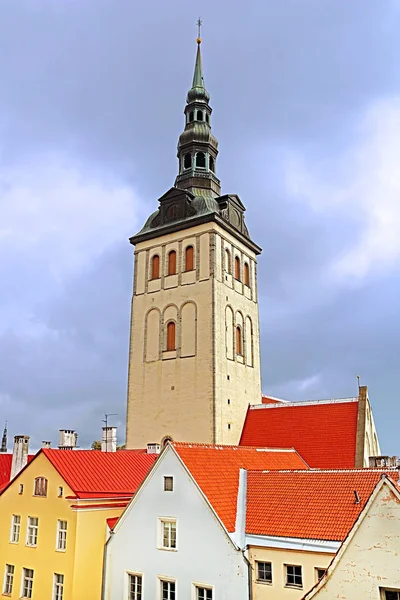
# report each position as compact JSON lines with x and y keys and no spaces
{"x":199,"y":24}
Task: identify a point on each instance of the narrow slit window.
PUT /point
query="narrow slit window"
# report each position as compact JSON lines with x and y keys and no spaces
{"x":237,"y":268}
{"x":239,"y":343}
{"x":227,"y":261}
{"x":246,"y":274}
{"x":172,"y":263}
{"x":171,"y":343}
{"x":155,"y":267}
{"x":189,"y":256}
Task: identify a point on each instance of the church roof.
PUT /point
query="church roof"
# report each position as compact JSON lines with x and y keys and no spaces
{"x":216,"y":471}
{"x":319,"y":505}
{"x":323,"y":432}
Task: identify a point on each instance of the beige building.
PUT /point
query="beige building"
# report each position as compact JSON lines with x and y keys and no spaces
{"x":194,"y":362}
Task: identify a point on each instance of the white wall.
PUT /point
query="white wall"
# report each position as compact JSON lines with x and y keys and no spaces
{"x":204,"y":553}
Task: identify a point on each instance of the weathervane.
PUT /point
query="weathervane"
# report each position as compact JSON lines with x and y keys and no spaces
{"x":199,"y":24}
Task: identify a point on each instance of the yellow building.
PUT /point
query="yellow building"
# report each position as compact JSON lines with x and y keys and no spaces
{"x":53,"y":516}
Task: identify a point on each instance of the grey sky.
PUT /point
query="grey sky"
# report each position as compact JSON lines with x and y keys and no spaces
{"x":306,"y":99}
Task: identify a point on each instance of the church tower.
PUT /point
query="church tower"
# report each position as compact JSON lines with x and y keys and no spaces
{"x":194,"y":360}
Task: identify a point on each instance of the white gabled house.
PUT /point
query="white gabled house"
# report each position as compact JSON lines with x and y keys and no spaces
{"x":176,"y":537}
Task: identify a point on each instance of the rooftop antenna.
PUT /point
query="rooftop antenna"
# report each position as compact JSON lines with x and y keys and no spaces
{"x":199,"y":24}
{"x":105,"y":421}
{"x":358,"y":382}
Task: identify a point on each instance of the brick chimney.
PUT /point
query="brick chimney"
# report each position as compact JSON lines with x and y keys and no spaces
{"x":68,"y":439}
{"x":20,"y":454}
{"x":109,"y":439}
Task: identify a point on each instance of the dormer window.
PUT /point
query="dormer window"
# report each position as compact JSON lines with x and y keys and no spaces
{"x":187,"y":161}
{"x":191,"y":116}
{"x":201,"y":160}
{"x":211,"y":164}
{"x":199,"y":115}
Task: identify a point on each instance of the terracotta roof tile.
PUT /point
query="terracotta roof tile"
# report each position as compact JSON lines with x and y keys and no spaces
{"x":216,"y":471}
{"x":111,"y":522}
{"x":5,"y":467}
{"x":308,"y":504}
{"x":324,"y":433}
{"x":91,"y":473}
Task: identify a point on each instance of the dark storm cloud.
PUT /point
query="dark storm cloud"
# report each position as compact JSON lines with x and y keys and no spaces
{"x":101,"y":86}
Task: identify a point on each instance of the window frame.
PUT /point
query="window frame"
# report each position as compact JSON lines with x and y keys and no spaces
{"x":382,"y":593}
{"x":170,"y":341}
{"x":155,"y":273}
{"x":57,"y":586}
{"x":228,"y":261}
{"x":168,"y":479}
{"x":164,"y":522}
{"x":136,"y":594}
{"x":40,"y":487}
{"x":8,"y":583}
{"x":297,"y":586}
{"x":169,"y":582}
{"x":28,"y":578}
{"x":189,"y":258}
{"x":32,"y":531}
{"x":171,"y":264}
{"x":238,"y":267}
{"x":206,"y":588}
{"x":239,"y":340}
{"x":246,"y":274}
{"x":15,"y":528}
{"x":258,"y":578}
{"x":316,"y":573}
{"x":61,"y":536}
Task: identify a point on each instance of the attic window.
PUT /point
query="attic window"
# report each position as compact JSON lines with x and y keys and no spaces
{"x":168,"y":484}
{"x":40,"y":486}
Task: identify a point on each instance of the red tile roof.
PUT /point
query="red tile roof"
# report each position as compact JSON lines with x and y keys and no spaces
{"x":308,"y":504}
{"x":92,"y":473}
{"x":216,"y":471}
{"x":111,"y":522}
{"x":324,"y":432}
{"x":5,"y":468}
{"x":271,"y":400}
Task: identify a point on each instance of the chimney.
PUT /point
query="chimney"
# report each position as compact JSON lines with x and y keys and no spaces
{"x":46,"y":444}
{"x":109,"y":439}
{"x":153,"y":448}
{"x":20,"y":454}
{"x":68,"y":439}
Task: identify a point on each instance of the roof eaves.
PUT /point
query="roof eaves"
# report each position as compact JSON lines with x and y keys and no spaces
{"x":303,"y":403}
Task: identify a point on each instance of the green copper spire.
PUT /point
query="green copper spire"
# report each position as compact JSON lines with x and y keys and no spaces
{"x":198,"y":79}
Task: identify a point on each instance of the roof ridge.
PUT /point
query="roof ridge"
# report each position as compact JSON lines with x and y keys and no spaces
{"x":324,"y":471}
{"x":230,"y":446}
{"x":288,"y":404}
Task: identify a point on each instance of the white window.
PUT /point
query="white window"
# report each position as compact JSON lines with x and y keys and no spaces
{"x":61,"y":535}
{"x":58,"y":591}
{"x":32,"y":531}
{"x":167,"y":590}
{"x":27,"y":583}
{"x":204,"y":593}
{"x":294,"y":576}
{"x":8,"y":579}
{"x":168,"y":534}
{"x":15,"y":528}
{"x":135,"y":587}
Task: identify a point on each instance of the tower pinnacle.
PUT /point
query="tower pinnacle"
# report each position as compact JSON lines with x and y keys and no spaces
{"x":4,"y":439}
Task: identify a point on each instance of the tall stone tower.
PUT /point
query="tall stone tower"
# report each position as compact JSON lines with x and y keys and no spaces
{"x":194,"y":361}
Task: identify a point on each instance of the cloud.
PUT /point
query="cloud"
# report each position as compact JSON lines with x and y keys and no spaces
{"x":364,"y":184}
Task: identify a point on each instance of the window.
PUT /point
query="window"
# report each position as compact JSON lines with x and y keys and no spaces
{"x":155,"y":267}
{"x":32,"y":531}
{"x":237,"y":268}
{"x":173,"y":211}
{"x":264,"y":572}
{"x":168,"y":531}
{"x":319,"y":573}
{"x":391,"y":595}
{"x":227,"y":261}
{"x":27,"y":583}
{"x":60,"y":491}
{"x":58,"y":591}
{"x":15,"y":528}
{"x":191,"y":116}
{"x":239,"y":345}
{"x":199,"y":115}
{"x":21,"y":488}
{"x":168,"y":484}
{"x":40,"y":486}
{"x":189,"y":255}
{"x":187,"y":161}
{"x":201,"y":160}
{"x":8,"y":579}
{"x":167,"y":590}
{"x":211,"y":164}
{"x":246,"y":274}
{"x":203,"y":593}
{"x":294,"y":577}
{"x":172,"y":263}
{"x":135,"y":587}
{"x":61,"y":535}
{"x":207,"y":118}
{"x":229,"y":426}
{"x":171,"y":344}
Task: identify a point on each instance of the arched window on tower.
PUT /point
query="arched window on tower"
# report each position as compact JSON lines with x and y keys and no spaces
{"x":246,"y":274}
{"x":155,"y":267}
{"x":191,"y":116}
{"x":237,"y":268}
{"x":172,"y":263}
{"x":187,"y":161}
{"x":199,"y":115}
{"x":211,"y":164}
{"x":239,"y":341}
{"x":207,"y":118}
{"x":227,"y":261}
{"x":201,"y":160}
{"x":189,"y":256}
{"x":171,"y":337}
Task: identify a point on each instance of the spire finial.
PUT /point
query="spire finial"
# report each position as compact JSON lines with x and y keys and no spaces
{"x":199,"y":24}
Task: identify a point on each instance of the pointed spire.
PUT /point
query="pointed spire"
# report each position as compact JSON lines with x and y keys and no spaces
{"x":198,"y":91}
{"x":198,"y":79}
{"x":4,"y":439}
